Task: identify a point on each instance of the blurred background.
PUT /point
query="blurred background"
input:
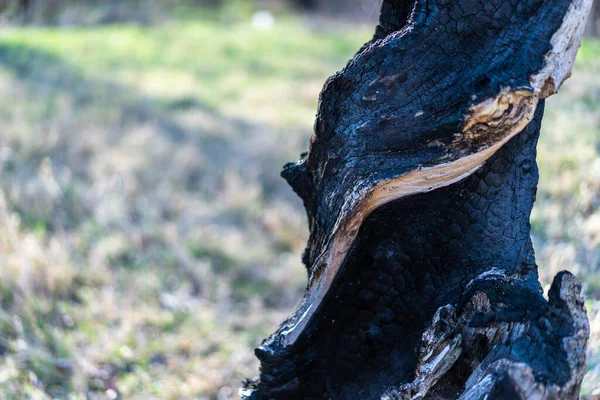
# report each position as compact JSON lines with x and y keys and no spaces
{"x":147,"y":242}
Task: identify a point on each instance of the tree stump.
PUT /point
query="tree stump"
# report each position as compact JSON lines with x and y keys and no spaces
{"x":418,"y":185}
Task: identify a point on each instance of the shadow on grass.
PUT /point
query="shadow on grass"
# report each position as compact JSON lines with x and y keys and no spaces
{"x":189,"y":152}
{"x":226,"y":144}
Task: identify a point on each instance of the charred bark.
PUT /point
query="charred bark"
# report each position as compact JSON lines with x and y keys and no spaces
{"x":418,"y":186}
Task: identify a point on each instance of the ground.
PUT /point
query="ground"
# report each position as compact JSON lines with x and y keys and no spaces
{"x":147,"y":242}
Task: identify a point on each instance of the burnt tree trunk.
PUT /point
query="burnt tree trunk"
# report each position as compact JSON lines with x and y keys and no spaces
{"x":418,"y":186}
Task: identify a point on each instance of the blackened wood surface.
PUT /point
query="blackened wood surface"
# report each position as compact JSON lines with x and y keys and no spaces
{"x":402,"y":228}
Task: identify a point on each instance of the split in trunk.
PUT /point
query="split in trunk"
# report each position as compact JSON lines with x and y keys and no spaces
{"x":418,"y":186}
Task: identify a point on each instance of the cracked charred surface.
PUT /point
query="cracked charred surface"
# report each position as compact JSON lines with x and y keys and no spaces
{"x":418,"y":186}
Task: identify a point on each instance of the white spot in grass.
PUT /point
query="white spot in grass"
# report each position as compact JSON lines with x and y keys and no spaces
{"x":263,"y":20}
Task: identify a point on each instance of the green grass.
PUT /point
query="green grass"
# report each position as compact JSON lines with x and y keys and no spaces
{"x":230,"y":68}
{"x":147,"y":242}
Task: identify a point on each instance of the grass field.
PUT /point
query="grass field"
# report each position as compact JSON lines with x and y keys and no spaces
{"x":147,"y":243}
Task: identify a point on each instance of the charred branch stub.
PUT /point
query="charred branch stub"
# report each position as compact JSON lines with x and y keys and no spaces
{"x":418,"y":185}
